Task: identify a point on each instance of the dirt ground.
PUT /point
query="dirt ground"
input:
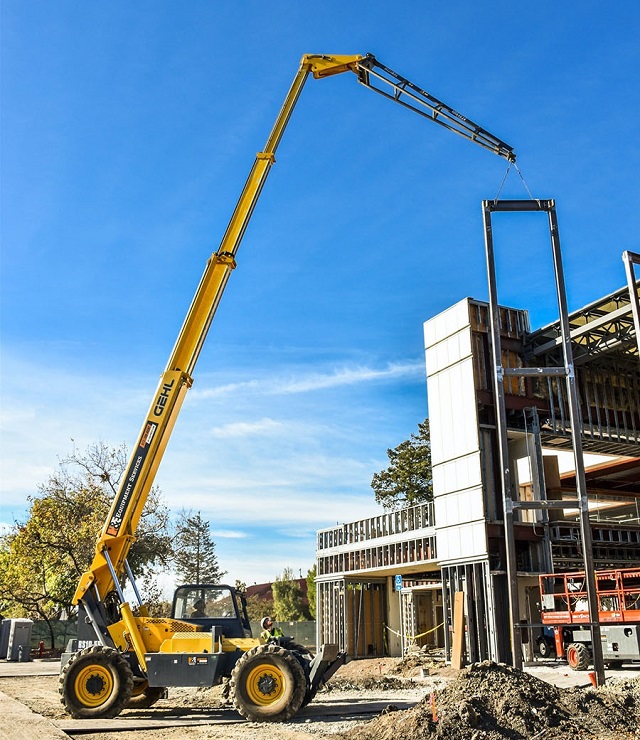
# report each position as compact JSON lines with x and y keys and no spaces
{"x":367,"y":700}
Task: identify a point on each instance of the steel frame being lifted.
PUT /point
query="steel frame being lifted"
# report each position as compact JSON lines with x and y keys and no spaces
{"x":566,"y":371}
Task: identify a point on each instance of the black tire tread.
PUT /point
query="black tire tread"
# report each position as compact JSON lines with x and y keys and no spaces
{"x":282,"y":658}
{"x":545,"y":649}
{"x":583,"y":656}
{"x":100,"y":655}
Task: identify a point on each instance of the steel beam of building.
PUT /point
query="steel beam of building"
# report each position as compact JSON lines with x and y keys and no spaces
{"x":629,"y":258}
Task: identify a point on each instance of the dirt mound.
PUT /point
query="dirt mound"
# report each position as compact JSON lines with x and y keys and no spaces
{"x":413,"y":663}
{"x":488,"y":701}
{"x":368,"y":683}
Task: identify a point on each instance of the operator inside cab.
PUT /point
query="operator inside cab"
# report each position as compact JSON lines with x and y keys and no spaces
{"x":269,"y":631}
{"x":198,"y":609}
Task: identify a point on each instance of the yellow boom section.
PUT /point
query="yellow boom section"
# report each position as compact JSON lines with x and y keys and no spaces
{"x":119,"y":530}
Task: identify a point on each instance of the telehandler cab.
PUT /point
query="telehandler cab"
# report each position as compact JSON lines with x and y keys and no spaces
{"x":124,"y":660}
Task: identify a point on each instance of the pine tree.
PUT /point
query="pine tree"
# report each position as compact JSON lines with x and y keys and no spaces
{"x":408,"y":479}
{"x":194,"y":550}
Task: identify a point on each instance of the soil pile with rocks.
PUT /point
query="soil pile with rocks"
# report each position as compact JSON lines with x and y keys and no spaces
{"x":369,"y":683}
{"x":488,"y":701}
{"x":414,"y":663}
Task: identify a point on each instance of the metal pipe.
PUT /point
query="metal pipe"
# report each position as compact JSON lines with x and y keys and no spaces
{"x":503,"y":447}
{"x":116,"y":582}
{"x":94,"y":623}
{"x":576,"y":438}
{"x":132,"y":582}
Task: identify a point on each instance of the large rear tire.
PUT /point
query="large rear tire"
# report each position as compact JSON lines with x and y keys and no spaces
{"x":96,"y":683}
{"x":144,"y":696}
{"x":578,"y":656}
{"x":268,"y":684}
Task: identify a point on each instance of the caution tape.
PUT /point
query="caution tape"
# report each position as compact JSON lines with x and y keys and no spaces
{"x":415,"y":637}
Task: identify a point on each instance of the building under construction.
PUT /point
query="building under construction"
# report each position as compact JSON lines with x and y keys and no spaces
{"x":505,"y":436}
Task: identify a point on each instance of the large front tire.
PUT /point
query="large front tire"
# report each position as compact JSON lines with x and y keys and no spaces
{"x":96,"y":683}
{"x":578,"y":656}
{"x":268,"y":684}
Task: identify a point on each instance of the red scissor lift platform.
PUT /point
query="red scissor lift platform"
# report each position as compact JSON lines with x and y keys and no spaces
{"x":564,"y":606}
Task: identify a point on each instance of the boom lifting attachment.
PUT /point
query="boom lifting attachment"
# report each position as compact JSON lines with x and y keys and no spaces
{"x":109,"y":564}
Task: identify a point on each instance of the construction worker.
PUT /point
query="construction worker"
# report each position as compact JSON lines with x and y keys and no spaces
{"x":198,"y":609}
{"x":269,"y":631}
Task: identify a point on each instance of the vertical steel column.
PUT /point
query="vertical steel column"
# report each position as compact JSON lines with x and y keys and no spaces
{"x":576,"y":439}
{"x":501,"y":428}
{"x":629,"y":258}
{"x":540,"y":487}
{"x":575,"y":421}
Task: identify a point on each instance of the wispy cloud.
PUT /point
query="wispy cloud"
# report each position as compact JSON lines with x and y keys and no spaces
{"x":350,"y":376}
{"x":309,"y":382}
{"x":245,"y":428}
{"x":229,"y":534}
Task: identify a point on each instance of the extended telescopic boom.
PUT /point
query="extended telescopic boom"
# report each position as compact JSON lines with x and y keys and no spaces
{"x":119,"y":530}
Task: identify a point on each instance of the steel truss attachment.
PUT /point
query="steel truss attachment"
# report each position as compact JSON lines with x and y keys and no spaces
{"x":567,"y":371}
{"x":374,"y":75}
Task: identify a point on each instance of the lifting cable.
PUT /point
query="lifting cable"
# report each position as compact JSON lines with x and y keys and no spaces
{"x":524,"y":182}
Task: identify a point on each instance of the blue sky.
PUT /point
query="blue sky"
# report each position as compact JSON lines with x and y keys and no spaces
{"x":128,"y":130}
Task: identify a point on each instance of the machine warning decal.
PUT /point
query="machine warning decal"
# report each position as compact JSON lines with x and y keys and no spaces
{"x":148,"y":433}
{"x":131,"y":478}
{"x":196,"y":660}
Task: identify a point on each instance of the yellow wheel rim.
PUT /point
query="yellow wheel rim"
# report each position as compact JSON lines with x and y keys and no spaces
{"x":139,"y":687}
{"x":265,"y":684}
{"x":93,"y":685}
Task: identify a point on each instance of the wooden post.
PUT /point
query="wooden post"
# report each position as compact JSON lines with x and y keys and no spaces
{"x":458,"y":630}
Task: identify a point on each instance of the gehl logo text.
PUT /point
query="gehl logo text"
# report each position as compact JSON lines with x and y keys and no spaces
{"x":162,"y":399}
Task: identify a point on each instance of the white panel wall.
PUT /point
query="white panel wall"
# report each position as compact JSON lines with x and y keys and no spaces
{"x":452,"y":411}
{"x":455,"y":447}
{"x":447,"y":323}
{"x":464,"y":542}
{"x":463,"y":472}
{"x":460,"y":506}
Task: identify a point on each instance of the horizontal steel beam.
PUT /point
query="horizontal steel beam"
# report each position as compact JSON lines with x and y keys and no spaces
{"x":528,"y":505}
{"x":533,"y":371}
{"x":497,"y":206}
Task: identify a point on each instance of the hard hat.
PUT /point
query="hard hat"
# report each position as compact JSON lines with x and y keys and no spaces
{"x":199,"y":604}
{"x":264,"y":621}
